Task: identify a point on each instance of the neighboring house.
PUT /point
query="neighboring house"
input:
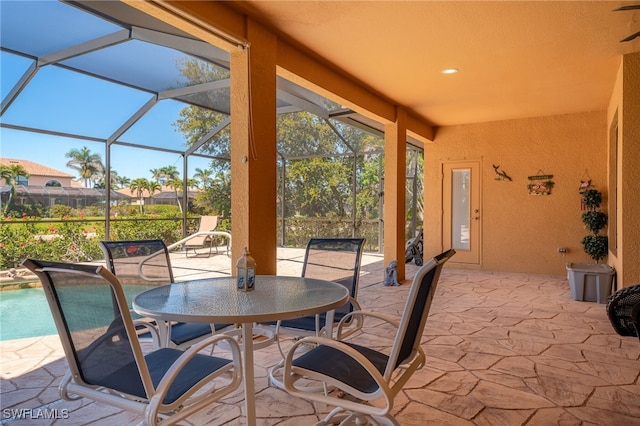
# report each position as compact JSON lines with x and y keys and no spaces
{"x":39,"y":175}
{"x":166,"y":195}
{"x":48,"y":187}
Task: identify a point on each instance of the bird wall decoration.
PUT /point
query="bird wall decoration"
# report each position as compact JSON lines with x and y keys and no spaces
{"x":501,"y":174}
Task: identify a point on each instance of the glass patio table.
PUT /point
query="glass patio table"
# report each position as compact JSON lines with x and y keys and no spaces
{"x":217,"y":300}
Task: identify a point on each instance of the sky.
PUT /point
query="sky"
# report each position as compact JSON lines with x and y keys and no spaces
{"x":50,"y":151}
{"x":86,"y":106}
{"x":59,"y":100}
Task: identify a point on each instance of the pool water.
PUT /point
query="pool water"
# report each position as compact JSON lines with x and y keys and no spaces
{"x":25,"y":312}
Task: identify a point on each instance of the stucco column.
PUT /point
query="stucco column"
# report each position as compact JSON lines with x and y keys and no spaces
{"x":253,"y":148}
{"x":395,"y":164}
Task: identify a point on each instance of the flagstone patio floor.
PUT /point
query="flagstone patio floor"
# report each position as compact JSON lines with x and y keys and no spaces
{"x":502,"y":349}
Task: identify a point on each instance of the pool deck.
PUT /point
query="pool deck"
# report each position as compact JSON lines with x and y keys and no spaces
{"x":502,"y":349}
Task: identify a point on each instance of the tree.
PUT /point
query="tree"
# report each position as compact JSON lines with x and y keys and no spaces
{"x":169,"y":172}
{"x":217,"y":195}
{"x":595,"y":245}
{"x":203,"y":178}
{"x":138,"y":186}
{"x":320,"y":156}
{"x":153,"y":187}
{"x":87,"y":164}
{"x":196,"y":122}
{"x":101,"y":181}
{"x":320,"y":187}
{"x":155,"y":173}
{"x":122,"y":181}
{"x":176,"y":184}
{"x":164,"y":174}
{"x":10,"y":175}
{"x":320,"y":167}
{"x":369,"y":190}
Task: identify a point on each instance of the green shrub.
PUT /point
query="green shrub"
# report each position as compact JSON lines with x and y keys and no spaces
{"x":69,"y":241}
{"x":299,"y":230}
{"x":21,"y":210}
{"x":140,"y":227}
{"x":595,"y":245}
{"x":594,"y":221}
{"x":93,"y":211}
{"x":162,"y":209}
{"x":61,"y":211}
{"x":120,"y":211}
{"x":592,"y":199}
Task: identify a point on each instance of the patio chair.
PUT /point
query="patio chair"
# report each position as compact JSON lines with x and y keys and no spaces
{"x":363,"y":381}
{"x":106,"y":360}
{"x":142,"y":264}
{"x":623,"y":310}
{"x":330,"y":259}
{"x":201,"y":239}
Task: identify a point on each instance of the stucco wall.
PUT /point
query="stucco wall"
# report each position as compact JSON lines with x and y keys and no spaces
{"x":522,"y":232}
{"x":42,"y":180}
{"x":625,"y":102}
{"x":629,"y":182}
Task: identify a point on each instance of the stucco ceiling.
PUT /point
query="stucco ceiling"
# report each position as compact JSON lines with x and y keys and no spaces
{"x":516,"y":58}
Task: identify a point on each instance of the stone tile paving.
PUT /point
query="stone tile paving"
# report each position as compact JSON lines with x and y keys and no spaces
{"x":502,"y":349}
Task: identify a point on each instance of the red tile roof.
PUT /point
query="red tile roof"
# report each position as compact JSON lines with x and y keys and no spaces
{"x":34,"y":168}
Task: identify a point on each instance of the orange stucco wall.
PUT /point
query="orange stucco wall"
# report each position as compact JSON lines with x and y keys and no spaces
{"x":522,"y":232}
{"x":625,"y":101}
{"x":253,"y":149}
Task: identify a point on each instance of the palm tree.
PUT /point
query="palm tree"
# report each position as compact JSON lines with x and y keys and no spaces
{"x":157,"y":175}
{"x":169,"y":176}
{"x":170,"y":171}
{"x":203,"y":177}
{"x":101,"y":181}
{"x":164,"y":174}
{"x":176,"y":184}
{"x":10,"y":175}
{"x":154,"y":186}
{"x":87,"y":164}
{"x":122,"y":181}
{"x":138,"y":186}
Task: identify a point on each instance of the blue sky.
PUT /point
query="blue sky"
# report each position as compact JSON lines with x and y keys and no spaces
{"x":60,"y":100}
{"x":81,"y":105}
{"x":50,"y":151}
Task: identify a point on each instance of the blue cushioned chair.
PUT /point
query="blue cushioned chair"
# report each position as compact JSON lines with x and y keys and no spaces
{"x":330,"y":259}
{"x":106,"y":360}
{"x":362,"y":381}
{"x":145,"y":264}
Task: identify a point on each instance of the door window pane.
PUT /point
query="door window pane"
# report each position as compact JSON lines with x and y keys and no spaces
{"x":460,"y":205}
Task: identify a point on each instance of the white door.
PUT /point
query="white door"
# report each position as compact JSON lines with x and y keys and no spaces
{"x":461,"y":210}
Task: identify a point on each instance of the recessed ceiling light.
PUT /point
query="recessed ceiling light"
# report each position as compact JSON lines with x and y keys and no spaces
{"x":450,"y":70}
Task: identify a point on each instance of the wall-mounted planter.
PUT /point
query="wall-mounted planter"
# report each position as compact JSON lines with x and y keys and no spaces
{"x":590,"y":282}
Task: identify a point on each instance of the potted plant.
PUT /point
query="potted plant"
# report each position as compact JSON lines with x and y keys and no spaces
{"x":595,"y":245}
{"x":592,"y":282}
